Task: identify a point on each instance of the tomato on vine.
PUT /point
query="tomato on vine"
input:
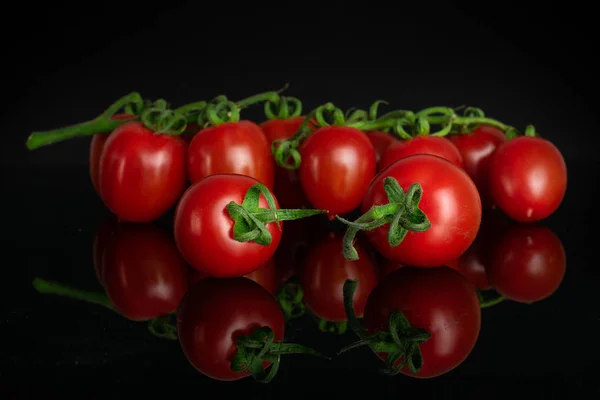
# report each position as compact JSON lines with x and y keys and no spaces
{"x":228,"y":225}
{"x":381,"y":141}
{"x":420,"y":211}
{"x":433,"y":145}
{"x":477,"y":148}
{"x":527,"y":178}
{"x":423,"y":322}
{"x":233,"y":328}
{"x":265,"y":276}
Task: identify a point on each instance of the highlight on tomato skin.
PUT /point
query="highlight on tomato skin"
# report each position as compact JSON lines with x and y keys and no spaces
{"x":439,"y":300}
{"x":143,"y":273}
{"x":324,"y":272}
{"x":528,"y":263}
{"x":215,"y":313}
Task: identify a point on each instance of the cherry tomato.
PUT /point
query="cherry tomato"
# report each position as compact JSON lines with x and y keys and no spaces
{"x":265,"y":276}
{"x":527,"y":178}
{"x":380,"y":141}
{"x":434,"y":145}
{"x":527,"y":264}
{"x":231,"y":148}
{"x":337,"y":165}
{"x":323,"y":275}
{"x":476,"y":149}
{"x":287,"y":185}
{"x":204,"y":228}
{"x":439,"y":300}
{"x":96,"y":147}
{"x":215,"y":313}
{"x":144,"y":275}
{"x":450,"y":200}
{"x":142,"y":174}
{"x":474,"y":262}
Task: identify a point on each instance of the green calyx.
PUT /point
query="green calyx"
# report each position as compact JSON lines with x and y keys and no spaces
{"x":162,"y":120}
{"x":283,"y":108}
{"x":401,"y":341}
{"x":486,"y":301}
{"x":251,"y":220}
{"x":402,"y":213}
{"x":259,"y":347}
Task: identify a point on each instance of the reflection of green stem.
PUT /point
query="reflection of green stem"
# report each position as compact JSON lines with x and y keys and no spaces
{"x":484,"y":303}
{"x":162,"y":327}
{"x":48,"y":287}
{"x":337,"y":327}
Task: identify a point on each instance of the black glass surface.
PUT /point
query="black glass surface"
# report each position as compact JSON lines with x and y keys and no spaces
{"x":54,"y":218}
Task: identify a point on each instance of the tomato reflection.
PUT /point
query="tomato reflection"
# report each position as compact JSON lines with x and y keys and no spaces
{"x":527,"y":264}
{"x":265,"y":276}
{"x":474,"y":261}
{"x":142,"y":272}
{"x":323,"y":275}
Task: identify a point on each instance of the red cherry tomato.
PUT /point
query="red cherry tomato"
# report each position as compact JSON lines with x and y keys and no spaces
{"x":323,"y":275}
{"x":337,"y":165}
{"x":287,"y":185}
{"x":527,"y":264}
{"x":434,"y":145}
{"x":144,"y":275}
{"x":231,"y":148}
{"x":527,"y":178}
{"x":142,"y":174}
{"x":474,"y":262}
{"x":204,"y":228}
{"x":265,"y":276}
{"x":96,"y":147}
{"x":439,"y":300}
{"x":215,"y":313}
{"x":450,"y":200}
{"x":476,"y":149}
{"x":380,"y":141}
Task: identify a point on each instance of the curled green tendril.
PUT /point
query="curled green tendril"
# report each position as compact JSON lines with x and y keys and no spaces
{"x":375,"y":108}
{"x":283,"y":108}
{"x":163,"y":120}
{"x":220,"y":113}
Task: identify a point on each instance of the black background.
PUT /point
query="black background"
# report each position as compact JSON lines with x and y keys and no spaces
{"x":64,"y":64}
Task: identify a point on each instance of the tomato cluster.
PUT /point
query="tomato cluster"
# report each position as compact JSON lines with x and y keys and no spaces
{"x":236,"y":186}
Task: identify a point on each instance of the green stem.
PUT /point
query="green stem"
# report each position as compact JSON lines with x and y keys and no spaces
{"x":485,"y":303}
{"x":49,"y":287}
{"x":258,"y":98}
{"x":337,"y":327}
{"x":101,"y":124}
{"x":192,"y":111}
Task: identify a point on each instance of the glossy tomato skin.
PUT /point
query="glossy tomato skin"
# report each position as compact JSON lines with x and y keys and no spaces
{"x":204,"y":229}
{"x":144,"y":275}
{"x":215,"y":313}
{"x":380,"y":141}
{"x":439,"y":300}
{"x":323,"y":275}
{"x":527,"y":178}
{"x":96,"y":147}
{"x":434,"y":145}
{"x":337,"y":165}
{"x":476,"y":149}
{"x":528,"y":263}
{"x":142,"y":174}
{"x":287,"y":185}
{"x":265,"y":276}
{"x":450,"y":200}
{"x":231,"y":148}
